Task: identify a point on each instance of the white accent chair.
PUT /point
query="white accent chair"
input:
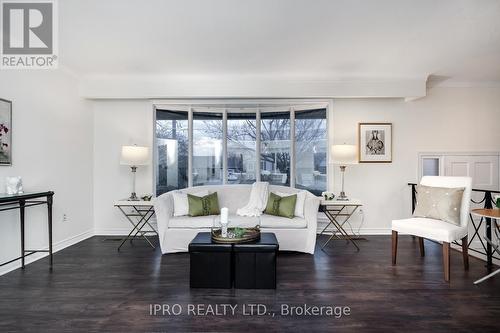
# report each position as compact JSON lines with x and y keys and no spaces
{"x":436,"y":229}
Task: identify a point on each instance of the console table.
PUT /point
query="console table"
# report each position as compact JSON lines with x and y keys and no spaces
{"x":21,"y":201}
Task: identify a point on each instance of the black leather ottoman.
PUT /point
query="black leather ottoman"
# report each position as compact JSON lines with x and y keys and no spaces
{"x":255,"y":263}
{"x":210,"y":263}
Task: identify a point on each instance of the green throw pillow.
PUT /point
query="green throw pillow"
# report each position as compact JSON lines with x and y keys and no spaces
{"x":202,"y":206}
{"x":281,"y":206}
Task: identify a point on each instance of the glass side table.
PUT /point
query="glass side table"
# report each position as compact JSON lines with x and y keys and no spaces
{"x":138,"y":213}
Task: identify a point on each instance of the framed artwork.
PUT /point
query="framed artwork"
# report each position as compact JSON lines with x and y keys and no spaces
{"x":375,"y":142}
{"x":5,"y":132}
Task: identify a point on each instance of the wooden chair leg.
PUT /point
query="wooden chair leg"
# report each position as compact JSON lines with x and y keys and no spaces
{"x":465,"y":252}
{"x":394,"y":246}
{"x":422,"y":248}
{"x":446,"y":261}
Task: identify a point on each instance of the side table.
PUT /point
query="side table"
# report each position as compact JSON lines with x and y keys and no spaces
{"x":489,"y":214}
{"x":333,"y":209}
{"x":138,"y":213}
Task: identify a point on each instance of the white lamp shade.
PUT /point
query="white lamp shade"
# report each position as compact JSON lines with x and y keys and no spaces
{"x":134,"y":155}
{"x":344,"y":154}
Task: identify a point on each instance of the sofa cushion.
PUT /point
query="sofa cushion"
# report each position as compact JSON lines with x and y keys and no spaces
{"x":281,"y":206}
{"x":203,"y":206}
{"x":278,"y":222}
{"x":243,"y":221}
{"x":187,"y":222}
{"x":299,"y":205}
{"x":181,"y":205}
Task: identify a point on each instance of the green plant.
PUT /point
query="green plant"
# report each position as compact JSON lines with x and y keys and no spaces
{"x":239,"y":232}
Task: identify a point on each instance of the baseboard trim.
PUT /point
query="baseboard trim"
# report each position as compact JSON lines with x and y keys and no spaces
{"x":58,"y":246}
{"x":365,"y":231}
{"x":113,"y":231}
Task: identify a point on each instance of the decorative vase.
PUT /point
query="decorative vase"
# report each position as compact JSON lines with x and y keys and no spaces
{"x":13,"y":185}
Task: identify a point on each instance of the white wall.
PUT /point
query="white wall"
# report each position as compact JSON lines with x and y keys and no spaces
{"x":52,"y":150}
{"x":448,"y":119}
{"x":118,"y":123}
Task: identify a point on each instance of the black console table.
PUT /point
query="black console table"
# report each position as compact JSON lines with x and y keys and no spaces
{"x":21,"y":201}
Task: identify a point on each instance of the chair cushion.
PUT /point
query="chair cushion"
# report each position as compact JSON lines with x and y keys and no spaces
{"x":278,"y":222}
{"x":440,"y":203}
{"x":430,"y":228}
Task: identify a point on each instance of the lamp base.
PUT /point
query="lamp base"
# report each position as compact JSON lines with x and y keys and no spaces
{"x":342,"y":197}
{"x":133,"y":197}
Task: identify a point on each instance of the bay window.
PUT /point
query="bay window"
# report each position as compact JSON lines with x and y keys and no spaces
{"x":275,"y":148}
{"x":240,"y":144}
{"x":207,"y":148}
{"x":310,"y":150}
{"x":171,"y":150}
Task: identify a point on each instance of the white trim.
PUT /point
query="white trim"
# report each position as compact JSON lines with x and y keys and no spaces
{"x":241,"y":86}
{"x":257,"y":145}
{"x":155,"y":152}
{"x":224,"y":147}
{"x":190,"y":148}
{"x":329,"y":134}
{"x":462,"y":84}
{"x":58,"y":246}
{"x":292,"y":147}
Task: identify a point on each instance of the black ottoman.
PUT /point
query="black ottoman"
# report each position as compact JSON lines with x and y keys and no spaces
{"x":210,"y":263}
{"x":255,"y":263}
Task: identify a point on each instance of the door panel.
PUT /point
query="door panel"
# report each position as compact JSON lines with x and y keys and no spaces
{"x":483,"y":169}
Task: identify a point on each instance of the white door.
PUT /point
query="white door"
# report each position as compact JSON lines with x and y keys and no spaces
{"x":482,"y":168}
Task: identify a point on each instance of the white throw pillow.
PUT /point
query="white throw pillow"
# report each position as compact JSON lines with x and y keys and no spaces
{"x":181,"y":205}
{"x":299,"y":204}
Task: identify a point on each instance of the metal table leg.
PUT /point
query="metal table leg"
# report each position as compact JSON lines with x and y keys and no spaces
{"x":494,"y":248}
{"x":137,"y":227}
{"x":339,"y":226}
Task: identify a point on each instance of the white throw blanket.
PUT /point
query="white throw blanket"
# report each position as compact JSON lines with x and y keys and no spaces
{"x":257,"y":202}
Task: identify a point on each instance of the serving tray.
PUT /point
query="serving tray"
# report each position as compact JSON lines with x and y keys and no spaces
{"x":250,"y":235}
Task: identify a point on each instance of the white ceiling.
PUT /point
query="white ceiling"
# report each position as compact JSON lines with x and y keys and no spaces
{"x":456,"y":39}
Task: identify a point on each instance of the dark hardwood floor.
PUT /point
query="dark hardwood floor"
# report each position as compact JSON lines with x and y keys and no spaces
{"x":94,"y":288}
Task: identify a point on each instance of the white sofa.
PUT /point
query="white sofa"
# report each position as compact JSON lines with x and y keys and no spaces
{"x":297,"y":234}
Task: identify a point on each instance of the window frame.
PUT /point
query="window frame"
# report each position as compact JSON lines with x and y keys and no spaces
{"x":260,"y":106}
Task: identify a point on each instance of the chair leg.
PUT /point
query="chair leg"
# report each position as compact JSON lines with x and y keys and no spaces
{"x":422,"y":248}
{"x":394,"y":246}
{"x":465,"y":252}
{"x":446,"y":261}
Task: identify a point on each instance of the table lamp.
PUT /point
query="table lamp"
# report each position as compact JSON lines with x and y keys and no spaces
{"x":344,"y":155}
{"x":134,"y":156}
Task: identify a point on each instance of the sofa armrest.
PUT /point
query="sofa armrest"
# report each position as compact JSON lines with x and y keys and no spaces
{"x":311,"y":215}
{"x":164,"y":210}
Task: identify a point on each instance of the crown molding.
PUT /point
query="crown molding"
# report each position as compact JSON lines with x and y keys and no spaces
{"x":147,"y":87}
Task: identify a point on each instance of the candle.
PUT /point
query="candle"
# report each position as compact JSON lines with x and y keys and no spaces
{"x":223,"y":215}
{"x":223,"y":221}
